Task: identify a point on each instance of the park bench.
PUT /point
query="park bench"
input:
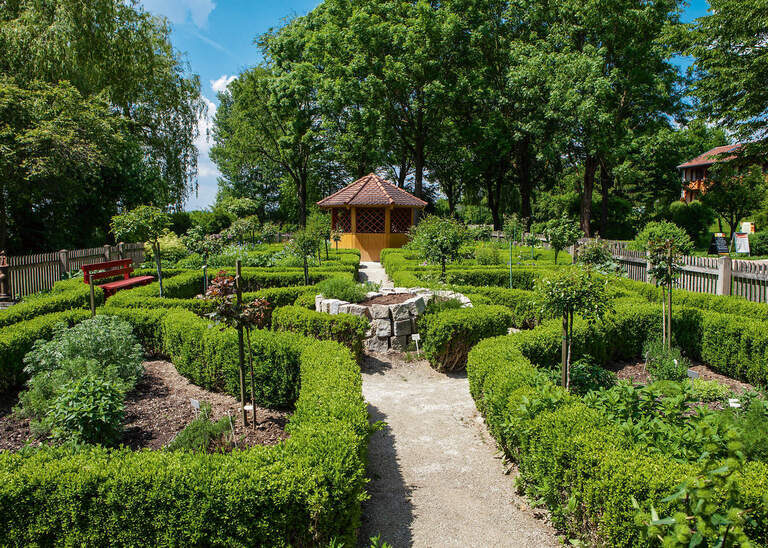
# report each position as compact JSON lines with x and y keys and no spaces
{"x":111,"y":269}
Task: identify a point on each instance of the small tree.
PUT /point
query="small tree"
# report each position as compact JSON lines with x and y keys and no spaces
{"x":568,"y":292}
{"x":145,"y":223}
{"x":733,"y":194}
{"x":513,"y":229}
{"x":438,"y":240}
{"x":336,"y":237}
{"x":320,"y":224}
{"x":269,"y":232}
{"x":304,"y":245}
{"x":241,"y":207}
{"x":665,"y":243}
{"x":561,"y":233}
{"x":532,"y":241}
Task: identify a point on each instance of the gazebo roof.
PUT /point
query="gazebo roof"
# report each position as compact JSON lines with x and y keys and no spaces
{"x":371,"y":190}
{"x":712,"y":156}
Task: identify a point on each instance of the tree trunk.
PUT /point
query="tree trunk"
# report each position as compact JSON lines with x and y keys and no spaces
{"x":524,"y":174}
{"x":663,"y":316}
{"x":590,"y":167}
{"x":418,"y":166}
{"x":241,"y":353}
{"x":156,"y":249}
{"x":605,"y":186}
{"x":3,"y":218}
{"x":493,"y":204}
{"x":306,"y":271}
{"x":301,"y":187}
{"x":564,"y":351}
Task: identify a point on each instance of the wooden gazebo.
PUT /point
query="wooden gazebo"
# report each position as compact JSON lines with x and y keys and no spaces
{"x":372,"y":214}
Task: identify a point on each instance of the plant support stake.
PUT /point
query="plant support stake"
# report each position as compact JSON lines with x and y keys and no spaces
{"x":241,"y":364}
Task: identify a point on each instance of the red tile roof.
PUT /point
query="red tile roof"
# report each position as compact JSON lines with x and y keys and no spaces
{"x":711,"y":156}
{"x":371,"y":190}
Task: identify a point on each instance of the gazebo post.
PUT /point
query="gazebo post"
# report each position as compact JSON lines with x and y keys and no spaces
{"x":353,"y":220}
{"x":387,"y":226}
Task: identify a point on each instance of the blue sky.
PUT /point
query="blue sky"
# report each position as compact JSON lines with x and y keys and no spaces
{"x":216,"y":38}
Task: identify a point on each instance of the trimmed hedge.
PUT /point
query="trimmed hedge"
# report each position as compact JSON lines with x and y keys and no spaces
{"x":65,"y":295}
{"x":525,"y":313}
{"x":283,"y":296}
{"x":570,"y":456}
{"x":17,"y":339}
{"x":347,"y":329}
{"x":146,"y":323}
{"x":305,"y":491}
{"x":449,"y":335}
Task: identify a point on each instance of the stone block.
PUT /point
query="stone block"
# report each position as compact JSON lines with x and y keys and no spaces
{"x":372,"y":294}
{"x":417,"y":305}
{"x":318,"y":302}
{"x":399,"y":343}
{"x":379,"y":311}
{"x":378,"y":344}
{"x":383,"y":328}
{"x":400,"y":311}
{"x":402,"y":327}
{"x":325,"y":306}
{"x":344,"y":308}
{"x":358,"y":310}
{"x":333,"y":308}
{"x":414,"y":329}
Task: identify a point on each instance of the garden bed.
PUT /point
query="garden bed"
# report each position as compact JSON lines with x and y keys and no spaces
{"x":392,"y":298}
{"x":156,"y":410}
{"x":636,"y":371}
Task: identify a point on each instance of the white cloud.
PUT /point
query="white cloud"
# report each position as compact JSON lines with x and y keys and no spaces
{"x":222,"y":82}
{"x":182,"y":11}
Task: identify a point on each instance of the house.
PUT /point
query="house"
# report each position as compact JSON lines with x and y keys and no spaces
{"x":694,"y":172}
{"x":372,"y":214}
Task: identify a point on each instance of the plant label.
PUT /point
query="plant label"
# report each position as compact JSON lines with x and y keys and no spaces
{"x":195,"y":404}
{"x":692,"y":374}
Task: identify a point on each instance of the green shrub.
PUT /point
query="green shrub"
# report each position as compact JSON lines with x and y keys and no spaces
{"x":17,"y":339}
{"x":344,"y":289}
{"x":449,"y":335}
{"x":87,"y":410}
{"x":346,"y":329}
{"x":487,"y":255}
{"x":146,"y":324}
{"x":525,"y":312}
{"x":758,"y":243}
{"x":665,"y":364}
{"x":202,"y":434}
{"x":586,"y":376}
{"x":171,"y":248}
{"x":65,"y":295}
{"x":306,"y":300}
{"x":711,"y":391}
{"x":284,"y":296}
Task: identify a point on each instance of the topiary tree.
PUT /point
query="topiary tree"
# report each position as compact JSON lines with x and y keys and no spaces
{"x":561,"y":233}
{"x":145,"y":223}
{"x":438,"y":240}
{"x":336,"y":237}
{"x":665,"y":244}
{"x":320,"y":224}
{"x":568,"y":292}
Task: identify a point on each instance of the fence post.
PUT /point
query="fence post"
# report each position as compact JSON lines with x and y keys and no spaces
{"x":724,"y":274}
{"x":121,"y":250}
{"x":64,"y":261}
{"x":648,"y":277}
{"x":106,"y":251}
{"x":5,"y":280}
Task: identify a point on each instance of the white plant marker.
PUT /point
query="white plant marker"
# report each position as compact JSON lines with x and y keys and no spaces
{"x":416,"y":338}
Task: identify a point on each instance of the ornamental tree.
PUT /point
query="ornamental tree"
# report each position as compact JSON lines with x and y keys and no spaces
{"x":304,"y":245}
{"x":735,"y":193}
{"x":145,"y":223}
{"x":568,"y":292}
{"x":438,"y":240}
{"x":562,"y":233}
{"x":665,"y":243}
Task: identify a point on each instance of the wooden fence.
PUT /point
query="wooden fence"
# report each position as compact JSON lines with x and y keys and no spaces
{"x":29,"y":274}
{"x":714,"y":275}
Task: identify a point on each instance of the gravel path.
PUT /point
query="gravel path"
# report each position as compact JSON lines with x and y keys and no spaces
{"x":436,"y":477}
{"x":371,"y":271}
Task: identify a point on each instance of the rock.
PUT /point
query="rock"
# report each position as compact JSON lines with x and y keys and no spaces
{"x":372,"y":295}
{"x":414,"y":329}
{"x":378,"y":344}
{"x":318,"y":302}
{"x":401,"y":311}
{"x":379,"y":311}
{"x":383,"y":328}
{"x":333,"y":308}
{"x":402,"y":327}
{"x":417,"y":305}
{"x":344,"y":308}
{"x":399,"y":343}
{"x":359,"y":310}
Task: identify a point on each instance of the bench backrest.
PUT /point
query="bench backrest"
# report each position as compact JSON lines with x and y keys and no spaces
{"x":108,"y":269}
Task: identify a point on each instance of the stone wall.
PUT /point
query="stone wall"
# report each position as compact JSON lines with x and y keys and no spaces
{"x":392,"y":325}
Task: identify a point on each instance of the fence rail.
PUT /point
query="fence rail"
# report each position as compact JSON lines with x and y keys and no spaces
{"x":716,"y":276}
{"x":27,"y":274}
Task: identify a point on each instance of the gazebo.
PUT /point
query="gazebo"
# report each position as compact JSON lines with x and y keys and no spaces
{"x":371,"y":214}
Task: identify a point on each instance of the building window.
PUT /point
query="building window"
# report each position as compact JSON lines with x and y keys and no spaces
{"x":400,"y":220}
{"x":370,"y":220}
{"x":341,"y":220}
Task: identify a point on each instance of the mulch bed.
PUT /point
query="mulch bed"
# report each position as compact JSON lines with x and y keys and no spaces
{"x":636,"y":372}
{"x":393,"y":298}
{"x":157,"y":409}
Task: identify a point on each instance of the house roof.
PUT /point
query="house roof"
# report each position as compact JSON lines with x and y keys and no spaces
{"x":371,"y":190}
{"x":711,"y":156}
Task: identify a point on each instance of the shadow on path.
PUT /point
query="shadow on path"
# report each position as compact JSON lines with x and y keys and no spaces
{"x":388,"y":512}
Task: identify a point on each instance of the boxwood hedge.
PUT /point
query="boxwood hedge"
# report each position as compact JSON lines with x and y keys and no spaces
{"x":570,"y":456}
{"x":347,"y":329}
{"x":65,"y":295}
{"x":305,"y":491}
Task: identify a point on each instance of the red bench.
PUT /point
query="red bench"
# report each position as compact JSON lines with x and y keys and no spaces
{"x":110,"y":269}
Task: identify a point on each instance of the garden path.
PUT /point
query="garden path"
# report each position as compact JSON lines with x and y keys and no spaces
{"x":371,"y":271}
{"x":436,"y":477}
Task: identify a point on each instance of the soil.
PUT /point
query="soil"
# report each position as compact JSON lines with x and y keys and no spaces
{"x":636,"y":372}
{"x":394,"y":298}
{"x":156,"y":410}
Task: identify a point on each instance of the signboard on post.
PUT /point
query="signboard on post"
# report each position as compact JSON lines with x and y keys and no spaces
{"x":741,"y":242}
{"x":719,"y":244}
{"x":748,"y":227}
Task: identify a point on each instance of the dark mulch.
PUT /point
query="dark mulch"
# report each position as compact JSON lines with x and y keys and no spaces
{"x":635,"y":371}
{"x":394,"y":298}
{"x":157,"y":409}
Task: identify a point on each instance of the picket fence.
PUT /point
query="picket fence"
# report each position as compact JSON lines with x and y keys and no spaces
{"x":29,"y":274}
{"x":714,"y":275}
